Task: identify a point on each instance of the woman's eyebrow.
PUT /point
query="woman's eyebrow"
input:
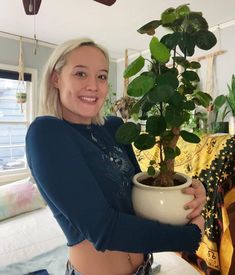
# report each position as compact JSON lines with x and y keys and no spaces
{"x":83,"y":66}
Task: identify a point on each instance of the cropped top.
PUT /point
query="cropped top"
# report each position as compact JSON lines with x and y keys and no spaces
{"x":85,"y":176}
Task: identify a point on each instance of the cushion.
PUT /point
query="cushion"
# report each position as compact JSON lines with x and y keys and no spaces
{"x":19,"y":197}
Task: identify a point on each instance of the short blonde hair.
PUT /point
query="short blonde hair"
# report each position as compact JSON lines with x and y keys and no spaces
{"x":49,"y":97}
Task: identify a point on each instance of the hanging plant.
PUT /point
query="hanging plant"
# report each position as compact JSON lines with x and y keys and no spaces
{"x":21,"y":95}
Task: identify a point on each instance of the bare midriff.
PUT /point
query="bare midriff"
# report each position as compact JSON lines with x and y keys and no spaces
{"x":88,"y":261}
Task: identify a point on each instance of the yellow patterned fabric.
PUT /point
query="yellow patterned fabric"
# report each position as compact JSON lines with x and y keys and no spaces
{"x":213,"y":162}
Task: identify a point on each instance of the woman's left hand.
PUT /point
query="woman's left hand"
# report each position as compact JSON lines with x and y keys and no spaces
{"x":198,"y":191}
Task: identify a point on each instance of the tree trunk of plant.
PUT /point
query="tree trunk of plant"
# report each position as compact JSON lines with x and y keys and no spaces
{"x":166,"y":178}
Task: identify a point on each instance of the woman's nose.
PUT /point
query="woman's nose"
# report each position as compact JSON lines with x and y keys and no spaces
{"x":91,"y":84}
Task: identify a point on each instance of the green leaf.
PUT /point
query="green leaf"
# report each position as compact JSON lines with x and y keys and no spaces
{"x":150,"y":27}
{"x":191,"y":76}
{"x":159,"y":51}
{"x":177,"y":151}
{"x":202,"y":98}
{"x":127,"y":133}
{"x":194,"y":65}
{"x":182,"y":11}
{"x":169,"y":78}
{"x":219,"y":101}
{"x":181,"y":61}
{"x":144,"y":142}
{"x":140,"y":85}
{"x":151,"y":171}
{"x":189,"y":105}
{"x":177,"y":100}
{"x":134,"y":67}
{"x":171,"y":40}
{"x":152,"y":162}
{"x":168,"y":16}
{"x":205,"y":39}
{"x":187,"y":44}
{"x":160,"y":93}
{"x":169,"y":153}
{"x":155,"y":125}
{"x":174,"y":117}
{"x":189,"y":137}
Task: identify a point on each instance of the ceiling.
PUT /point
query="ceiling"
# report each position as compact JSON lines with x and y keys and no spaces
{"x":114,"y":27}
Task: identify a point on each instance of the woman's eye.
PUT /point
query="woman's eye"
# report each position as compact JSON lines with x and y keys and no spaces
{"x":80,"y":74}
{"x":103,"y":77}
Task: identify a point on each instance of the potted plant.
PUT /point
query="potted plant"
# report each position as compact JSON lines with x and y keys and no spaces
{"x":166,"y":94}
{"x":231,"y":102}
{"x":216,"y":108}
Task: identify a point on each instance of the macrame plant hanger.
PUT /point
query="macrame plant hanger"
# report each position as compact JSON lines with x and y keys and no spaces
{"x":21,"y":95}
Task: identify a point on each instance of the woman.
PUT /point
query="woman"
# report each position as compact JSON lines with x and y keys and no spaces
{"x":85,"y":176}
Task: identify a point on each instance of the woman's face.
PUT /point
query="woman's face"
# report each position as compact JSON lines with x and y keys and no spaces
{"x":82,"y":84}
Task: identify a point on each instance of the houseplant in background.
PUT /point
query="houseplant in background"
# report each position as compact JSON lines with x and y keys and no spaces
{"x":219,"y":109}
{"x":231,"y":103}
{"x":166,"y":94}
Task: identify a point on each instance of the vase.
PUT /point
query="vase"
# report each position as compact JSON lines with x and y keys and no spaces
{"x":163,"y":204}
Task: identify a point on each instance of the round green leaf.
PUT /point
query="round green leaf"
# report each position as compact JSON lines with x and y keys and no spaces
{"x":194,"y":65}
{"x":191,"y":76}
{"x":155,"y":125}
{"x":189,"y":137}
{"x":159,"y":51}
{"x":205,"y":39}
{"x":140,"y":85}
{"x":169,"y":79}
{"x":134,"y":67}
{"x":127,"y":133}
{"x":160,"y":93}
{"x":169,"y":153}
{"x":177,"y":151}
{"x":171,"y":40}
{"x":182,"y":11}
{"x":174,"y":117}
{"x":181,"y":61}
{"x":168,"y":16}
{"x":151,"y":171}
{"x":144,"y":142}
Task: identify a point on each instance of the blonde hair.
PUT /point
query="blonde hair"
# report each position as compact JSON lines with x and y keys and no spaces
{"x":49,"y":97}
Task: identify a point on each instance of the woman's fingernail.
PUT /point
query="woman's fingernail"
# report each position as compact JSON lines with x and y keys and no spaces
{"x":186,"y":207}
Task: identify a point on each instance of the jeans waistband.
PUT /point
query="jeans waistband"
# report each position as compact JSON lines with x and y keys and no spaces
{"x":143,"y":269}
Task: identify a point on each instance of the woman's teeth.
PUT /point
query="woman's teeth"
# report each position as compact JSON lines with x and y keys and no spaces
{"x":88,"y":99}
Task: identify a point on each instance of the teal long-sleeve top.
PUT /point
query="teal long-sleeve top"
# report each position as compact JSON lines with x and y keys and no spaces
{"x":85,"y":176}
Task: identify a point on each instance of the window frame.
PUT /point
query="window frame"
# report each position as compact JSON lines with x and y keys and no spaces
{"x":18,"y":174}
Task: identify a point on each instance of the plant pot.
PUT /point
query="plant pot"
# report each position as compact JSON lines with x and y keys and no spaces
{"x":21,"y":97}
{"x":220,"y":127}
{"x":232,"y":125}
{"x":164,"y":204}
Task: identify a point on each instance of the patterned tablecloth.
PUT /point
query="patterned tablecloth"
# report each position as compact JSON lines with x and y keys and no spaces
{"x":213,"y":162}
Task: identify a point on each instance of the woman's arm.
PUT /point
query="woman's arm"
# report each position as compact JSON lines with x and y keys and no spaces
{"x":63,"y":174}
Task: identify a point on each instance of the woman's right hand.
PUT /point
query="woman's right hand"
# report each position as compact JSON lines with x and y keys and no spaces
{"x":200,"y":222}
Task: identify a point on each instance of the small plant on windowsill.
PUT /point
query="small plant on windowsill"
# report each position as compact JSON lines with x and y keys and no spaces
{"x":171,"y":92}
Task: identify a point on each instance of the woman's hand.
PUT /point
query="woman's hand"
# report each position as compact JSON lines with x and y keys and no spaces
{"x":200,"y":222}
{"x":198,"y":191}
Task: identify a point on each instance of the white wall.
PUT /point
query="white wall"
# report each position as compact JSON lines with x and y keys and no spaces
{"x":224,"y":65}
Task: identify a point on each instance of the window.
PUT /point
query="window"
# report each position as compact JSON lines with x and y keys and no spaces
{"x":14,"y":122}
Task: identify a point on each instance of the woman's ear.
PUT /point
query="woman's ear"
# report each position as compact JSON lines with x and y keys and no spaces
{"x":54,"y":79}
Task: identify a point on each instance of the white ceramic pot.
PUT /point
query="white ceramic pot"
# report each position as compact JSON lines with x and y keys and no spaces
{"x":232,"y":125}
{"x":164,"y":204}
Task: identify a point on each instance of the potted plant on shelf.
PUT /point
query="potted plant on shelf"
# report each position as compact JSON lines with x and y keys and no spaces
{"x":231,"y":103}
{"x":166,"y":94}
